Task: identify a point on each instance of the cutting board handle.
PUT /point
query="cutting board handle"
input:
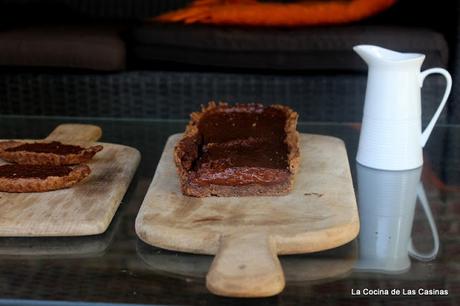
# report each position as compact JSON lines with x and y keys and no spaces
{"x":246,"y":265}
{"x":69,"y":133}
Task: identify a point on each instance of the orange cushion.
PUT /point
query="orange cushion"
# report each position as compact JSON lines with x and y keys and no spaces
{"x":254,"y":13}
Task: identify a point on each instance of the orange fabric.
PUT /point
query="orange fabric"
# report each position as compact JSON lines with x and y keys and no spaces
{"x":254,"y":13}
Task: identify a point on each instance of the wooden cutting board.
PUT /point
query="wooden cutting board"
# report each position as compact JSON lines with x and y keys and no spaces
{"x":246,"y":234}
{"x":84,"y":209}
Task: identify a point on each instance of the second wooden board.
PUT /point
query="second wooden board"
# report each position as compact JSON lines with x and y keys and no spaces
{"x":84,"y":209}
{"x":247,"y":233}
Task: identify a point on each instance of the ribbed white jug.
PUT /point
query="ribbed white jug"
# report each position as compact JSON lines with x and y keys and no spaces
{"x":391,"y":133}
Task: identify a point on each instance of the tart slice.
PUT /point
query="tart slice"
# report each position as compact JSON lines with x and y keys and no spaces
{"x":38,"y":178}
{"x":241,"y":150}
{"x":46,"y":153}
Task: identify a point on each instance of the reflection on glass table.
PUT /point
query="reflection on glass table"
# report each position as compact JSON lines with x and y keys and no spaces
{"x":65,"y":247}
{"x":386,"y":201}
{"x":306,"y":268}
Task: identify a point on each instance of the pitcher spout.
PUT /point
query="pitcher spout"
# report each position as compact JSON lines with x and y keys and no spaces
{"x":374,"y":54}
{"x":367,"y":52}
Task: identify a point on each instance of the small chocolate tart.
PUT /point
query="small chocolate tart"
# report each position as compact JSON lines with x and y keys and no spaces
{"x":33,"y":171}
{"x":46,"y":153}
{"x":39,"y":178}
{"x":241,"y":150}
{"x":47,"y":147}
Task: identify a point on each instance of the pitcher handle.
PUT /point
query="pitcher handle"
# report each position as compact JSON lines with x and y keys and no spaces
{"x":426,"y":133}
{"x":426,"y":207}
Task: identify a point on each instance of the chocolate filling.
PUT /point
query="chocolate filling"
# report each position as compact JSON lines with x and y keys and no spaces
{"x":241,"y":145}
{"x":49,"y":147}
{"x":33,"y":171}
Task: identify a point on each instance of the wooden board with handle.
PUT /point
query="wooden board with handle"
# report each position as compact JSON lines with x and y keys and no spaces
{"x":86,"y":208}
{"x":247,"y":233}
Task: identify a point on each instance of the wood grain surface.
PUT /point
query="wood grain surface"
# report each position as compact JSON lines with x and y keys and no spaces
{"x":247,"y":233}
{"x":84,"y":209}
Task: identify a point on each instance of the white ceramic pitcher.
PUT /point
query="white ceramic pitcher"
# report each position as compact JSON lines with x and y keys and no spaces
{"x":391,"y":134}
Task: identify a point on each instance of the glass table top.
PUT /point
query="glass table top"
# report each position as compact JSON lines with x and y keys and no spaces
{"x":408,"y":240}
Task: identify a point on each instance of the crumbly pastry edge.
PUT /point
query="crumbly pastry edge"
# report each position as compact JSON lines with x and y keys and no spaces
{"x":190,"y":135}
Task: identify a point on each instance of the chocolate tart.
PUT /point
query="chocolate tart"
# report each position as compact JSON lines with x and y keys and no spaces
{"x":39,"y":178}
{"x":46,"y":153}
{"x":241,"y":150}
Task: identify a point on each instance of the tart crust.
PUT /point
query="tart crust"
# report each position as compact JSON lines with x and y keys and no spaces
{"x":189,"y":148}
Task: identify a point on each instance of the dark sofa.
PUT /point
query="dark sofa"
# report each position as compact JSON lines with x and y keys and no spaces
{"x":97,"y":58}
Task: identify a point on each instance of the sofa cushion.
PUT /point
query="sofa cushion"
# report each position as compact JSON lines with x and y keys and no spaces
{"x":314,"y":48}
{"x":85,"y":47}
